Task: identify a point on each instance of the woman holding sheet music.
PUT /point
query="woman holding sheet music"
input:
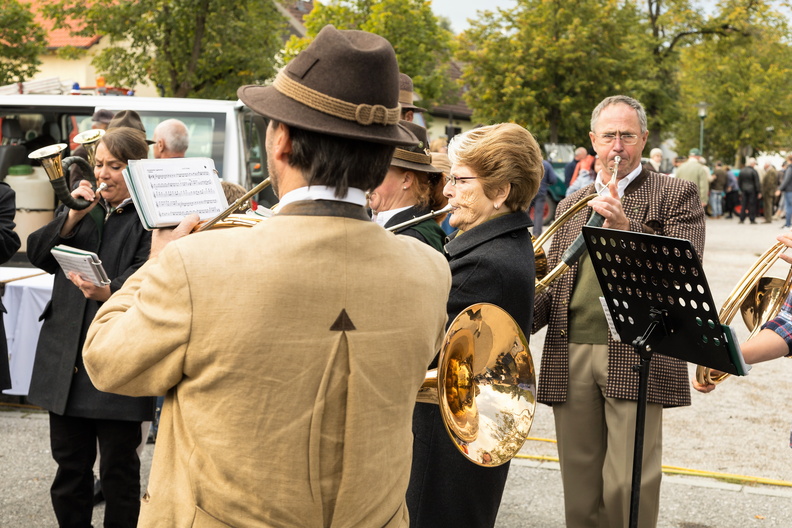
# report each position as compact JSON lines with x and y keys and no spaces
{"x":80,"y":415}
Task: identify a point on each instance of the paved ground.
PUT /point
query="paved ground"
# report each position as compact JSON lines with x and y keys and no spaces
{"x":741,"y":429}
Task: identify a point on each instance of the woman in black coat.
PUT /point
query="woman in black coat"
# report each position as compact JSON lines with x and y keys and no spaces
{"x":411,"y":189}
{"x":80,"y":415}
{"x":496,"y":172}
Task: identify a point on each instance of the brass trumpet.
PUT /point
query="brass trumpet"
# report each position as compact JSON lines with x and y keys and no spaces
{"x":50,"y":158}
{"x":757,"y":297}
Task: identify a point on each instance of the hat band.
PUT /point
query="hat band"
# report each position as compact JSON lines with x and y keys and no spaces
{"x":363,"y":114}
{"x":414,"y":157}
{"x":405,"y":97}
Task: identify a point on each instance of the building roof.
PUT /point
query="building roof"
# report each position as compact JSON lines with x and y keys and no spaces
{"x":60,"y":38}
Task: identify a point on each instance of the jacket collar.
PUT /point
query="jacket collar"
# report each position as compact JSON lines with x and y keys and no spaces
{"x":487,"y":231}
{"x":324,"y":208}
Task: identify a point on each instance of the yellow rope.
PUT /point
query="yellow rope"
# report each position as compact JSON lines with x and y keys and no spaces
{"x":673,"y":470}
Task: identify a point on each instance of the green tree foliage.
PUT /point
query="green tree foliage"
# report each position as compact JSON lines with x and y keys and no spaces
{"x":22,"y":41}
{"x":422,"y":44}
{"x":745,"y":81}
{"x":189,"y":48}
{"x":545,"y":64}
{"x":674,"y":25}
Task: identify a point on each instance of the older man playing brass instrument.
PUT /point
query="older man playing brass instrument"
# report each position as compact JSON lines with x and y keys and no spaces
{"x":585,"y":375}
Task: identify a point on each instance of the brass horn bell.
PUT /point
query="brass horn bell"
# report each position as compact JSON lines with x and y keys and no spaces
{"x":50,"y":159}
{"x":485,"y":385}
{"x":757,"y":297}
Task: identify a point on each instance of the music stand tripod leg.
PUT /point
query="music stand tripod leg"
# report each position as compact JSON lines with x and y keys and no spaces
{"x":644,"y":350}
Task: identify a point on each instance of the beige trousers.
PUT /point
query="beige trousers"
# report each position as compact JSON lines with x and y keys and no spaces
{"x":595,"y":446}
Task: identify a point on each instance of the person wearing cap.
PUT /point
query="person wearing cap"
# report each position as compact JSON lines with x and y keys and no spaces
{"x":694,"y":171}
{"x":290,"y":353}
{"x":407,"y":98}
{"x":495,"y":172}
{"x":101,"y":119}
{"x":409,"y":191}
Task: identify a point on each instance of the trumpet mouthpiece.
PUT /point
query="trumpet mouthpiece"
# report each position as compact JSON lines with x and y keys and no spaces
{"x":101,"y":187}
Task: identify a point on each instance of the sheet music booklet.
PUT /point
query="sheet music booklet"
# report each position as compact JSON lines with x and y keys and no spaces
{"x":167,"y":190}
{"x":84,"y":263}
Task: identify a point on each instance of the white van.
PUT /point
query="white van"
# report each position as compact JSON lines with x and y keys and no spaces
{"x":226,"y":131}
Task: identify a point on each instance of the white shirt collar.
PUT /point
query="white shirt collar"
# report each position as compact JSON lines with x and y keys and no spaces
{"x":383,"y":217}
{"x":322,"y":192}
{"x":621,"y":184}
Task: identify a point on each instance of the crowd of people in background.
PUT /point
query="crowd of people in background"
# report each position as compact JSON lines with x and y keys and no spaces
{"x":755,"y":191}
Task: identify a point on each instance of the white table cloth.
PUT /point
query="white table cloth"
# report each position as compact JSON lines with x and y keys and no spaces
{"x":24,"y":301}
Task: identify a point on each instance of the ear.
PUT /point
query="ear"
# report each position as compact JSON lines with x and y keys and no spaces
{"x":281,"y":143}
{"x":502,"y":193}
{"x":407,"y":179}
{"x":592,"y":137}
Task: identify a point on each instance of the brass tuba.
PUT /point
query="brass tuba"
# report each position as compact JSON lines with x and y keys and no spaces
{"x":50,"y":158}
{"x":757,"y":297}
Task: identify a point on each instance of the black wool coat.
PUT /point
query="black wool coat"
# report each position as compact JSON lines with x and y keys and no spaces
{"x":59,"y":382}
{"x":493,"y":263}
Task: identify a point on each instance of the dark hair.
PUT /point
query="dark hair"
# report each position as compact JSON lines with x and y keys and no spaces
{"x":338,"y":162}
{"x":126,"y":143}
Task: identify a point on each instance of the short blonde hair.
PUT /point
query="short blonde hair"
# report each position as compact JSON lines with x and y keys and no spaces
{"x":501,"y":154}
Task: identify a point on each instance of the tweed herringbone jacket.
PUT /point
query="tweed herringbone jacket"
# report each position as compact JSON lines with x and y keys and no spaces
{"x":655,"y":204}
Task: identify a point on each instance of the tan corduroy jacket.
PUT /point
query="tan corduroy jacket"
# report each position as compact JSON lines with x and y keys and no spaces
{"x":291,"y":354}
{"x":654,"y":203}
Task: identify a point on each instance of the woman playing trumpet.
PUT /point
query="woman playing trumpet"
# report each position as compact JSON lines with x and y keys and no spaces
{"x":79,"y":413}
{"x":412,"y":188}
{"x":495,"y":173}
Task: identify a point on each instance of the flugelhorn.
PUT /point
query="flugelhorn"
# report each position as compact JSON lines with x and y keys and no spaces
{"x":757,"y":297}
{"x":418,"y":219}
{"x":576,"y":249}
{"x":56,"y":169}
{"x":485,"y":385}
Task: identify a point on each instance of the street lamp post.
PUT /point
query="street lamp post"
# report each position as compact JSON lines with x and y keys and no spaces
{"x":702,"y":113}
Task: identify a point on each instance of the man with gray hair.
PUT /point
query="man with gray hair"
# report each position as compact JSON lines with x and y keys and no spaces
{"x":586,"y":375}
{"x":171,"y":139}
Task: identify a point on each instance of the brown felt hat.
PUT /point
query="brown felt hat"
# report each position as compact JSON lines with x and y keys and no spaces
{"x":406,"y":95}
{"x":128,"y":118}
{"x":345,"y":83}
{"x":415,"y":157}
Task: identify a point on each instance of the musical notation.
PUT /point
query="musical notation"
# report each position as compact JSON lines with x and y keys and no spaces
{"x":170,"y":189}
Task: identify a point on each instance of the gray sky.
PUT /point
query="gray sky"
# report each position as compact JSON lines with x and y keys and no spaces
{"x":458,"y":11}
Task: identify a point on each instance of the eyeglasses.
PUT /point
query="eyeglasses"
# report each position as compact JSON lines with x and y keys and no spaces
{"x":454,"y":179}
{"x":610,"y":137}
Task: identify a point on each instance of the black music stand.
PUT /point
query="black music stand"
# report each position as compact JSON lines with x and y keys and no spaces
{"x":658,"y":300}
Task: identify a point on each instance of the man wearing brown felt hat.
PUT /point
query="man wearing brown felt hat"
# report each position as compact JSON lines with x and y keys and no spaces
{"x":276,"y":345}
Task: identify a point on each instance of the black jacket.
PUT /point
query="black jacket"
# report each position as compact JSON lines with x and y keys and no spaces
{"x":9,"y":244}
{"x":59,"y":382}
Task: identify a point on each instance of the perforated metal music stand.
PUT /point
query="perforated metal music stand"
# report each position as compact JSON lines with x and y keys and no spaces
{"x":659,"y":301}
